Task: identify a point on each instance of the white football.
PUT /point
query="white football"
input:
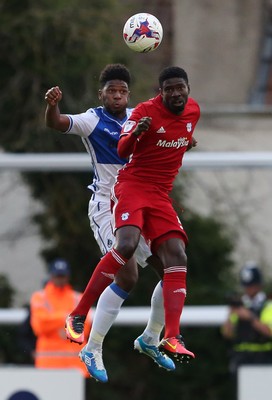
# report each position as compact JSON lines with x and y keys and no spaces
{"x":143,"y":32}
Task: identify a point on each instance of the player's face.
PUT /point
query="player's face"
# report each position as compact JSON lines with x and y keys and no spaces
{"x":60,"y":280}
{"x":114,"y":96}
{"x":175,"y":92}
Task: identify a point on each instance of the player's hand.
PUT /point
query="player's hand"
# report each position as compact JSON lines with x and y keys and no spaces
{"x":193,"y":143}
{"x":53,"y":96}
{"x":143,"y":125}
{"x":243,"y":313}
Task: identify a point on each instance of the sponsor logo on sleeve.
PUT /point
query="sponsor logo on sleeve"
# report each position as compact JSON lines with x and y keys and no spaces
{"x":129,"y":125}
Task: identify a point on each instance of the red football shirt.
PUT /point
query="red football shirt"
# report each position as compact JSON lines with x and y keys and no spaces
{"x":157,"y":153}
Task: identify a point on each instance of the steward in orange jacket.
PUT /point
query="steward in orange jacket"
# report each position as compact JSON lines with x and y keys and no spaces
{"x":49,"y":308}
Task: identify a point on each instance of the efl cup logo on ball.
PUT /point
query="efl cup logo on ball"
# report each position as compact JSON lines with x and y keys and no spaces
{"x":143,"y":33}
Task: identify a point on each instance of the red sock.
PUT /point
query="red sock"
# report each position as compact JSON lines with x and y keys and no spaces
{"x":174,"y":293}
{"x":102,"y":276}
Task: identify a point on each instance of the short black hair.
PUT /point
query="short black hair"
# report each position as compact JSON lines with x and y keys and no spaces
{"x":114,"y":71}
{"x":172,"y":72}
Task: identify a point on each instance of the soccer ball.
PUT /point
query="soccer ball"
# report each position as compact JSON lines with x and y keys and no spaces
{"x":143,"y":32}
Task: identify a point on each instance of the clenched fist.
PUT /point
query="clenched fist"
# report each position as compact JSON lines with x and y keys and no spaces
{"x":53,"y":96}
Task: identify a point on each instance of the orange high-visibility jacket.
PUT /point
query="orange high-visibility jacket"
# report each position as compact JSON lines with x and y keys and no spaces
{"x":48,"y":310}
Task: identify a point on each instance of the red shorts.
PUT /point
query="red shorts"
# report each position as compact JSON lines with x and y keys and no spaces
{"x":148,"y":208}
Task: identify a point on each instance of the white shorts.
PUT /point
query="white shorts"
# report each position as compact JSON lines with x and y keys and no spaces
{"x":101,"y":223}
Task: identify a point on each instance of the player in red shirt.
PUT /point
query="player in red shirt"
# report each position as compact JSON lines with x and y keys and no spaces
{"x":157,"y":135}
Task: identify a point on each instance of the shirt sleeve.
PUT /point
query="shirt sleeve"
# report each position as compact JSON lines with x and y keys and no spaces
{"x":128,"y":140}
{"x":126,"y":145}
{"x":83,"y":124}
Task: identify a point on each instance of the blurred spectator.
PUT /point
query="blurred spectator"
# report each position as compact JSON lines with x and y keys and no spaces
{"x":249,"y":323}
{"x":48,"y":310}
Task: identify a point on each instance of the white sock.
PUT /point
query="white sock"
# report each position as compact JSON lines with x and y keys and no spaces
{"x":107,"y":309}
{"x":152,"y":332}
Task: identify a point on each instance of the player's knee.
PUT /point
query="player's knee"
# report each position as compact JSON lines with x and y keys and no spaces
{"x":127,"y":239}
{"x":179,"y":253}
{"x":173,"y":253}
{"x":126,"y":247}
{"x":178,"y":258}
{"x":183,"y":258}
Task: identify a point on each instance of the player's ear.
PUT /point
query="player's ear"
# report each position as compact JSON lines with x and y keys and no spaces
{"x":100,"y":94}
{"x":189,"y":88}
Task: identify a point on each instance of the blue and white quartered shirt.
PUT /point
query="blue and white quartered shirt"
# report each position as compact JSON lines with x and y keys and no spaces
{"x":100,"y":133}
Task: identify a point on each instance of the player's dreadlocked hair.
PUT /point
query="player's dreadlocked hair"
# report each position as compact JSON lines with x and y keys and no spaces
{"x":114,"y":71}
{"x":172,"y":72}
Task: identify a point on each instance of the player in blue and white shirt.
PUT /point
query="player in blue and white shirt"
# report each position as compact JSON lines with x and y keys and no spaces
{"x":99,"y":129}
{"x":100,"y":132}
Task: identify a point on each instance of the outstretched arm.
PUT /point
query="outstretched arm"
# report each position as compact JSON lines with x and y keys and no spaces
{"x":127,"y":142}
{"x":53,"y":118}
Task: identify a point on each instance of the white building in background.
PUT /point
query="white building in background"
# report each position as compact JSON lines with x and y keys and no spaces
{"x":20,"y":243}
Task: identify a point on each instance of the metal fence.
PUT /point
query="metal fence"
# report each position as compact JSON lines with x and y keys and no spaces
{"x":134,"y":316}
